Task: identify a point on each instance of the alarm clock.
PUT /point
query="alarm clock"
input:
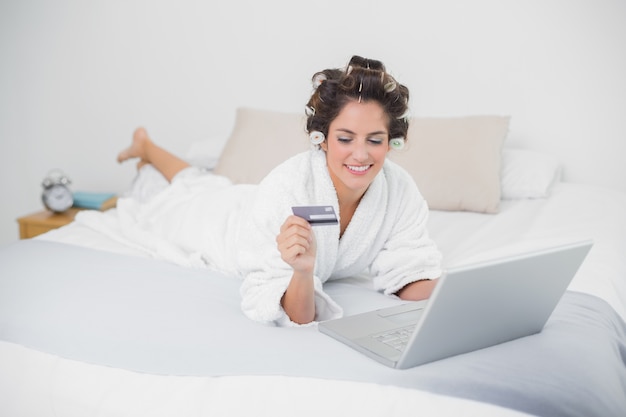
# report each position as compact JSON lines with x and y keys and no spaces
{"x":56,"y":195}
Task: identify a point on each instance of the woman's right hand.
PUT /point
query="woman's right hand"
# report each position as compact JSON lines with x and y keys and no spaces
{"x":296,"y":243}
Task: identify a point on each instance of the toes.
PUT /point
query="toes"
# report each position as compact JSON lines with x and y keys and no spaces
{"x":124,"y":155}
{"x":135,"y":150}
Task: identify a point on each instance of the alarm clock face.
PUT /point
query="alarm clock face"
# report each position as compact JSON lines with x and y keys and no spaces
{"x":57,"y":198}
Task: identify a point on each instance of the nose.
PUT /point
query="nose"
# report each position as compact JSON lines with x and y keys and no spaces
{"x":360,"y":152}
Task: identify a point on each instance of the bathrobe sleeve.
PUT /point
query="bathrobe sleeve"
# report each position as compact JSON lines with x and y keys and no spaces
{"x":266,"y":275}
{"x":408,"y":253}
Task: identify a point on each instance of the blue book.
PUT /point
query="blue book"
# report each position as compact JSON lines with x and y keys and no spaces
{"x":94,"y":201}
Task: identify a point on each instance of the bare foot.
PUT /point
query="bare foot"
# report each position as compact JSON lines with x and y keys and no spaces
{"x":137,"y":149}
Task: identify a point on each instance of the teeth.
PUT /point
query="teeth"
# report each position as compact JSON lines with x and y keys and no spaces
{"x":358,"y":168}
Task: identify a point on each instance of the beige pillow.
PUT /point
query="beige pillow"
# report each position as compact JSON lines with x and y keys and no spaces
{"x":261,"y":140}
{"x":456,"y":161}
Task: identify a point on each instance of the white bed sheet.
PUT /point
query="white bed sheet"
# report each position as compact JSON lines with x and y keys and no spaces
{"x":66,"y":387}
{"x":44,"y":385}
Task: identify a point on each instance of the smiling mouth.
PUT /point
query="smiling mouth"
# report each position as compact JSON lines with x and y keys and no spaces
{"x":358,"y":168}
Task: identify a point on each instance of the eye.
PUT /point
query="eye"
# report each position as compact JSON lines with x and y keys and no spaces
{"x":344,"y":140}
{"x":376,"y":141}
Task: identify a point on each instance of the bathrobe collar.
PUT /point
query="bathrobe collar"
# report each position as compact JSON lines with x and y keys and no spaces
{"x":341,"y":255}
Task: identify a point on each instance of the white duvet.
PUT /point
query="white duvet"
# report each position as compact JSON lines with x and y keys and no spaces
{"x":202,"y":220}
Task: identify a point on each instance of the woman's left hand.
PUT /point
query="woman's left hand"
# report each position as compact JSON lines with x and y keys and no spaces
{"x":418,"y":290}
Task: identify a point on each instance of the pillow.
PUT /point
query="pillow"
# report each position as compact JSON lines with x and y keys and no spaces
{"x":528,"y":174}
{"x":204,"y":153}
{"x":456,"y":161}
{"x":261,"y":140}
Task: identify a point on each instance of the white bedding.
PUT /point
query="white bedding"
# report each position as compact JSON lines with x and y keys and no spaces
{"x":45,"y":385}
{"x":572,"y":212}
{"x":68,"y":387}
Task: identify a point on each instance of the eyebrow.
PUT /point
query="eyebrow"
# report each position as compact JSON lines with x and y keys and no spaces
{"x":379,"y":132}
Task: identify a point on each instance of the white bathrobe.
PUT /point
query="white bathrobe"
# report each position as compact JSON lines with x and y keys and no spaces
{"x":203,"y":220}
{"x":386,"y":238}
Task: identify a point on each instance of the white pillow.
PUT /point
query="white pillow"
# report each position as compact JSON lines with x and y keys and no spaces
{"x":528,"y":174}
{"x":205,"y":153}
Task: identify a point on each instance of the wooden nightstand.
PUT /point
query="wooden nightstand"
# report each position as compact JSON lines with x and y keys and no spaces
{"x":42,"y":221}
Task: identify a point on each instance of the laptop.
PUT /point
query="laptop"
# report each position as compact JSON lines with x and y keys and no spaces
{"x":471,"y":307}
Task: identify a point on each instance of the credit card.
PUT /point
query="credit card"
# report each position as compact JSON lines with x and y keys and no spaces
{"x":316,"y":215}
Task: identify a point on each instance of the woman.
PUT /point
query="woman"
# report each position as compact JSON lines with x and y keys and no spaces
{"x":355,"y":115}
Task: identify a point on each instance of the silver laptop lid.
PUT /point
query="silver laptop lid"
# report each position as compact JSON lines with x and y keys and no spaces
{"x":491,"y":302}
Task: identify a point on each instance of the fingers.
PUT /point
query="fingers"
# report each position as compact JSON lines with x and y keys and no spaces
{"x":294,"y":232}
{"x":295,"y":240}
{"x":294,"y":221}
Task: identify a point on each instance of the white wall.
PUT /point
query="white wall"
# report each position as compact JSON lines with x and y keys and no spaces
{"x":77,"y":77}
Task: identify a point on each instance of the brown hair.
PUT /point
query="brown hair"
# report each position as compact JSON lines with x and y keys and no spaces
{"x":362,"y":80}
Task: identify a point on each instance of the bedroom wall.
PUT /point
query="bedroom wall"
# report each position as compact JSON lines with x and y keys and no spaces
{"x":77,"y":77}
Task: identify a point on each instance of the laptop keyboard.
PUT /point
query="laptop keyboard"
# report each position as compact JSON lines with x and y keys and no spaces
{"x":397,"y":338}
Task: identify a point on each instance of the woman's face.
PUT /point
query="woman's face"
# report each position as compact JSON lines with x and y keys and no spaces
{"x":356,"y":147}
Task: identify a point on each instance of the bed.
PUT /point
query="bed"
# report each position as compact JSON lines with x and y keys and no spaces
{"x":95,"y":323}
